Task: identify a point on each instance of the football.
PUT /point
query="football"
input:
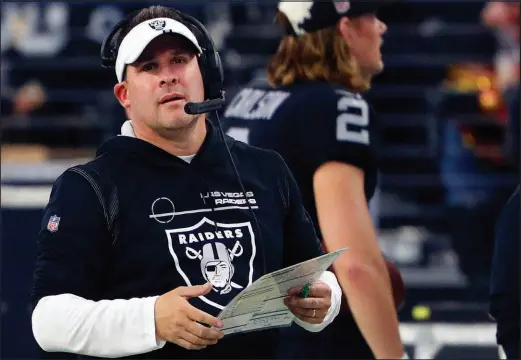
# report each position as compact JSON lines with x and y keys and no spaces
{"x":397,"y":284}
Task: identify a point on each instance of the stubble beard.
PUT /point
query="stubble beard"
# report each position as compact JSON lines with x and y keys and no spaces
{"x":180,"y":129}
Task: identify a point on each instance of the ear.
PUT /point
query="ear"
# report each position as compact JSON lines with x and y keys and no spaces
{"x":345,"y":28}
{"x":121,"y":93}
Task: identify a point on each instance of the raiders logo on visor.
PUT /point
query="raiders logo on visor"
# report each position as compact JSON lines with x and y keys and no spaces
{"x":157,"y":24}
{"x":342,"y":6}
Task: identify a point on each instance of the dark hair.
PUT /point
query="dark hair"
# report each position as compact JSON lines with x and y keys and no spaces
{"x":149,"y":13}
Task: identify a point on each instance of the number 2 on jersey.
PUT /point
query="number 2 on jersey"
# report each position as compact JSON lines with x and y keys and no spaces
{"x":345,"y":119}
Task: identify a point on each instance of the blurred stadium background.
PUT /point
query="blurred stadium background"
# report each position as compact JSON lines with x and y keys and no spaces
{"x":443,"y":118}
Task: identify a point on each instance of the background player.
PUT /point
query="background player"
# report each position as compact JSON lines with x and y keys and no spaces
{"x":311,"y":113}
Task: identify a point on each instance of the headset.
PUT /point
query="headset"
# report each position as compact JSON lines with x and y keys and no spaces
{"x":213,"y":78}
{"x":209,"y":62}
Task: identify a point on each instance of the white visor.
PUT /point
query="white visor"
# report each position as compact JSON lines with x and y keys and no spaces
{"x":296,"y":12}
{"x":141,"y":35}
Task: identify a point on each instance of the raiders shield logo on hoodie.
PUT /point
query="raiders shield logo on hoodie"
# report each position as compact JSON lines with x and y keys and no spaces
{"x":221,"y":254}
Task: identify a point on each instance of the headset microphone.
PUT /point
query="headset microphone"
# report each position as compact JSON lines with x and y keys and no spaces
{"x":193,"y":108}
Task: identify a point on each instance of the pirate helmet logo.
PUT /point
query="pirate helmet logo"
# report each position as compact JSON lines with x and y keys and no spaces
{"x":157,"y":24}
{"x":217,"y":267}
{"x":216,"y":264}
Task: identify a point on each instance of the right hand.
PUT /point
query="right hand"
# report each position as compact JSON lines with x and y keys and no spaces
{"x":179,"y":322}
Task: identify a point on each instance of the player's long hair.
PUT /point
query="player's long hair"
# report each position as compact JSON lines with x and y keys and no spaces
{"x":322,"y":55}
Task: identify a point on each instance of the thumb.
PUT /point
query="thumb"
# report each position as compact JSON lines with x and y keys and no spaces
{"x":194,"y":291}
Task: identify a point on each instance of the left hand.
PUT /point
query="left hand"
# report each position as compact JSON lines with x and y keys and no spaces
{"x":312,"y":309}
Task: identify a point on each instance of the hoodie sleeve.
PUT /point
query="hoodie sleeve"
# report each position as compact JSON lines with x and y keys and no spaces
{"x":73,"y":244}
{"x":74,"y":248}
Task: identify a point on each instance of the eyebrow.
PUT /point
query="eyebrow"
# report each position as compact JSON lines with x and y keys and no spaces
{"x":150,"y":56}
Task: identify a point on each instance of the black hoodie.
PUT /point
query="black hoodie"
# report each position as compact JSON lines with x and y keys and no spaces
{"x":174,"y":222}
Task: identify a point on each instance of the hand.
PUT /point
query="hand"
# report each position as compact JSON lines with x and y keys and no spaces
{"x":180,"y":323}
{"x":312,"y":309}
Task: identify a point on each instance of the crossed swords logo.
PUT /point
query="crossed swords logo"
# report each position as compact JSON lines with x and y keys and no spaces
{"x":236,"y":251}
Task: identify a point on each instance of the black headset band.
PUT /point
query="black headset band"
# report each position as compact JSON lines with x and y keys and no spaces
{"x":109,"y":47}
{"x":209,"y":45}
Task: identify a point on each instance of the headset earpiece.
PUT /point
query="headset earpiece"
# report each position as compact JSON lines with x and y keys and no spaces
{"x":109,"y":51}
{"x":216,"y":75}
{"x":210,"y":61}
{"x":109,"y":47}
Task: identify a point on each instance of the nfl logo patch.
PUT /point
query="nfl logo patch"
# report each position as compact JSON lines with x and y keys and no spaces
{"x":342,"y":6}
{"x":53,"y":223}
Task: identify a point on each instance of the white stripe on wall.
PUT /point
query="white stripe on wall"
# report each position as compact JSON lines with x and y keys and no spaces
{"x":28,"y":197}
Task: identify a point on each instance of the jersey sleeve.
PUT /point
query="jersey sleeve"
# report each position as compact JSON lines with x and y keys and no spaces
{"x":73,"y":244}
{"x":334,"y":125}
{"x":300,"y":238}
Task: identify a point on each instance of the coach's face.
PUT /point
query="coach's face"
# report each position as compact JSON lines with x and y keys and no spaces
{"x":159,"y":84}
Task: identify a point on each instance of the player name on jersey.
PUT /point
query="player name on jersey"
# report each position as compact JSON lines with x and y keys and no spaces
{"x":257,"y":104}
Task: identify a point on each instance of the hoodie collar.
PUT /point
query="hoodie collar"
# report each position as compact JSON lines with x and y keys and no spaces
{"x":127,"y":129}
{"x":212,"y":151}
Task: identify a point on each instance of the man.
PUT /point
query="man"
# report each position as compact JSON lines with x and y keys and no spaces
{"x":311,"y":113}
{"x":480,"y":175}
{"x":161,"y":210}
{"x":504,"y":288}
{"x":503,"y":18}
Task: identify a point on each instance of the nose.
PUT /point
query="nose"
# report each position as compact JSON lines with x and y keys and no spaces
{"x":168,"y":79}
{"x":383,"y":27}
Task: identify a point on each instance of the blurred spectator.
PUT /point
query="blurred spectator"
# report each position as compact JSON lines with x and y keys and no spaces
{"x":475,"y":169}
{"x":26,"y":99}
{"x":503,"y":18}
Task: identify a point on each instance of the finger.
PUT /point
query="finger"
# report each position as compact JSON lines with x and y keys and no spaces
{"x":308,"y":303}
{"x":205,"y":333}
{"x":188,"y":345}
{"x":295,"y":291}
{"x":320,"y":290}
{"x":309,"y":320}
{"x":311,"y":313}
{"x":317,"y":289}
{"x":196,"y":340}
{"x":203,"y":318}
{"x":194,"y":291}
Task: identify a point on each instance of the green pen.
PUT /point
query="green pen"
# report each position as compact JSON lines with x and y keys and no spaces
{"x":304,"y":293}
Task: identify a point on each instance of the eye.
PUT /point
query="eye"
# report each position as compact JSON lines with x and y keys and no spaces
{"x":180,"y":60}
{"x":149,"y":66}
